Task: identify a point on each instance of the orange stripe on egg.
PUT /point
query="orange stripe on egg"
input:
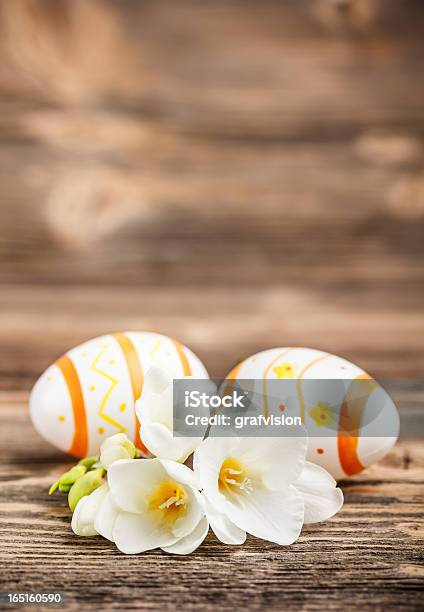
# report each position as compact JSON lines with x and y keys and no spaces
{"x":234,"y":372}
{"x":352,"y":408}
{"x":229,"y":388}
{"x":135,"y":371}
{"x":183,"y":358}
{"x":79,"y":443}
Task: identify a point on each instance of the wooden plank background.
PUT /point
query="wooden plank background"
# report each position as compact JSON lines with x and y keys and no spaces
{"x":240,"y":175}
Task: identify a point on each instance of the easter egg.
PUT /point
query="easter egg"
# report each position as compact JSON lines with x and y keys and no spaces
{"x":351,"y":422}
{"x":89,"y":393}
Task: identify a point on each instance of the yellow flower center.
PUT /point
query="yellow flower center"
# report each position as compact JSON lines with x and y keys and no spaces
{"x":233,"y":477}
{"x":169,"y":499}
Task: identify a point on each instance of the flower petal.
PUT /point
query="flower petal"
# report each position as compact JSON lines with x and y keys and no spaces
{"x":320,"y":493}
{"x":276,"y":516}
{"x":208,"y":458}
{"x":155,"y":413}
{"x":190,"y":542}
{"x":115,"y":440}
{"x":135,"y":533}
{"x":84,"y":515}
{"x":223,"y":528}
{"x":195,"y":503}
{"x":106,"y":517}
{"x":195,"y":511}
{"x":161,"y":442}
{"x":156,"y":380}
{"x":156,"y":401}
{"x":131,"y":482}
{"x":278,"y":461}
{"x":179,"y":472}
{"x":111,"y":454}
{"x":156,"y":408}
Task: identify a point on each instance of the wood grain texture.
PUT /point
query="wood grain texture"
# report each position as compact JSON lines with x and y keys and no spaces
{"x":236,"y":174}
{"x":239,"y":175}
{"x":367,"y":557}
{"x":221,"y":324}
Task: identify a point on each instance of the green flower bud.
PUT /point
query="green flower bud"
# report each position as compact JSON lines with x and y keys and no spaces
{"x":130,"y":448}
{"x":88,"y":462}
{"x":53,"y":488}
{"x":85,"y":485}
{"x":67,"y":479}
{"x":65,"y":488}
{"x":72,"y":476}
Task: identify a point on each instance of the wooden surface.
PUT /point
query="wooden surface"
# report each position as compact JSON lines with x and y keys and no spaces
{"x":367,"y":557}
{"x":237,"y":174}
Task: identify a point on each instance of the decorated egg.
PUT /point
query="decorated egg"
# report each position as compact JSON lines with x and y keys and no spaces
{"x":89,"y":393}
{"x":350,"y":419}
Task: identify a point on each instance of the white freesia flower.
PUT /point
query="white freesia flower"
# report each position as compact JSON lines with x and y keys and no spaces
{"x":114,"y":448}
{"x":263,"y":486}
{"x":86,"y":511}
{"x":155,"y":414}
{"x":152,"y":503}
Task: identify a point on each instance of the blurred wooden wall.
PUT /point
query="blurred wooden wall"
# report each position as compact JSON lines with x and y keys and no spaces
{"x":239,"y":174}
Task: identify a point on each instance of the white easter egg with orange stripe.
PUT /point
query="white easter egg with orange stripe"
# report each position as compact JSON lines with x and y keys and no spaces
{"x":372,"y":417}
{"x":90,"y":392}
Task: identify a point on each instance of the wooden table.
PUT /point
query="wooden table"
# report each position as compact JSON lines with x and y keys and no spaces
{"x":367,"y":557}
{"x":239,"y":175}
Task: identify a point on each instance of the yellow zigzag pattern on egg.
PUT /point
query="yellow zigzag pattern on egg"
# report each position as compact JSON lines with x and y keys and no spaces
{"x":153,"y":352}
{"x":106,"y":396}
{"x":155,"y":348}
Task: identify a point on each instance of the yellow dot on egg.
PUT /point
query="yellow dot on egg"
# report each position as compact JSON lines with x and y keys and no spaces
{"x":112,"y":361}
{"x":84,"y":354}
{"x":61,"y":418}
{"x":92,"y":388}
{"x":122,"y":407}
{"x":101,"y":430}
{"x":50,"y":377}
